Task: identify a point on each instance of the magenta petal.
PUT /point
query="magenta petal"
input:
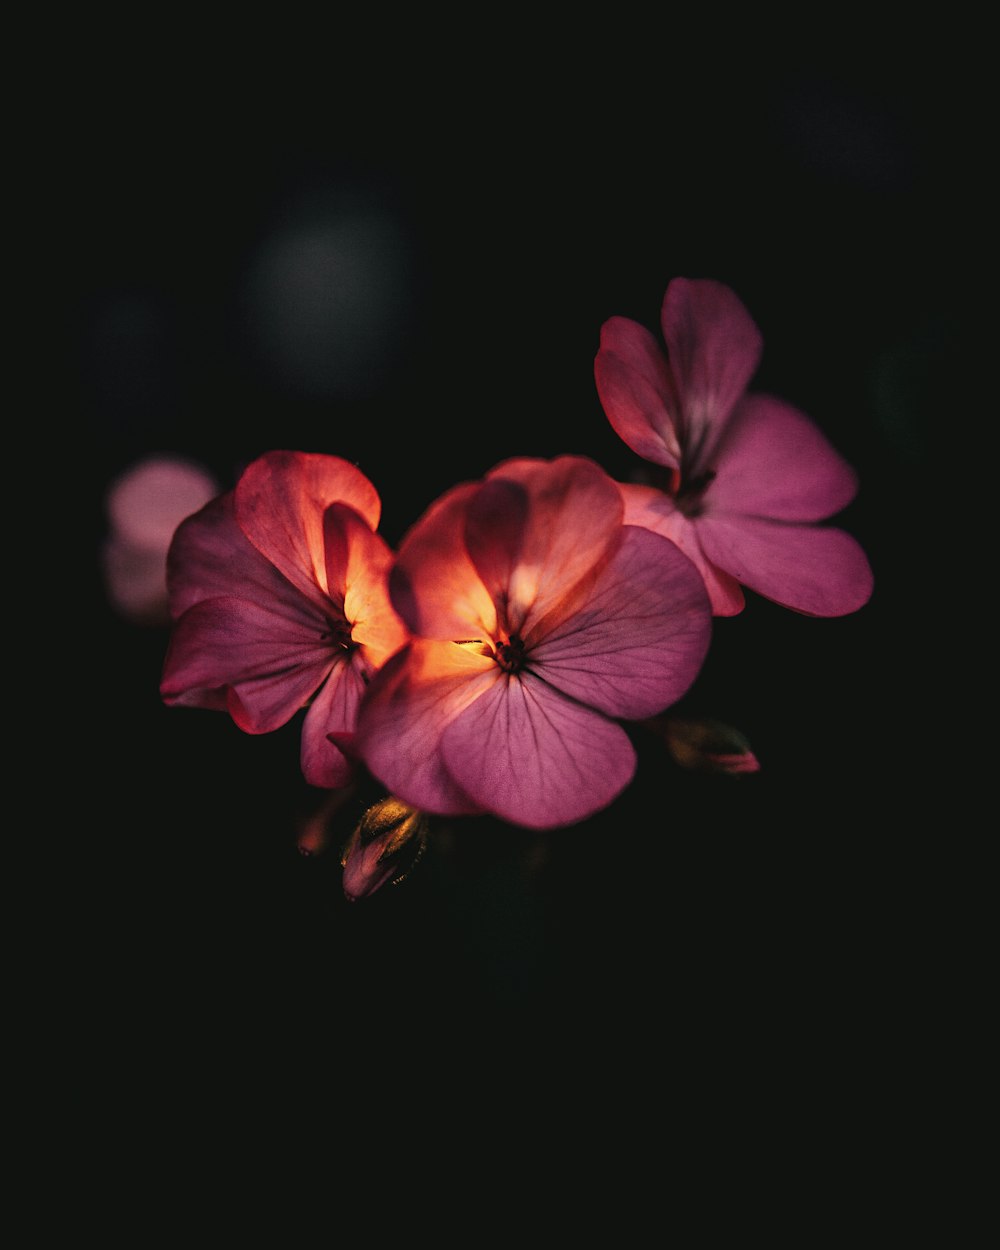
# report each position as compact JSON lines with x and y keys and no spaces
{"x":271,"y":663}
{"x":434,"y":585}
{"x":331,"y":718}
{"x":280,"y":502}
{"x":651,"y":509}
{"x":538,"y":529}
{"x":210,"y":557}
{"x":637,"y":391}
{"x":533,"y":757}
{"x":813,"y":569}
{"x":773,"y":461}
{"x":636,"y":643}
{"x":714,"y":348}
{"x":409,"y":704}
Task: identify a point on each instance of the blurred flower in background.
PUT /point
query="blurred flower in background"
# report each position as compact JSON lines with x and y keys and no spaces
{"x":144,"y":506}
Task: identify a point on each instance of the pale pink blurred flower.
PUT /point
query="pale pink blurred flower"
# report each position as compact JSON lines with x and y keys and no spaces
{"x":144,"y":506}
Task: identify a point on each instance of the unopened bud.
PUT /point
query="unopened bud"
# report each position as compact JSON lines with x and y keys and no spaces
{"x":708,"y":746}
{"x":389,"y":839}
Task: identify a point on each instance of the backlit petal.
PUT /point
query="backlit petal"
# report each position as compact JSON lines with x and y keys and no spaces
{"x":537,"y":528}
{"x":434,"y":585}
{"x":713,"y":349}
{"x":636,"y":643}
{"x":653,"y":510}
{"x":813,"y":569}
{"x":773,"y":461}
{"x":271,"y":662}
{"x":357,"y":569}
{"x":637,"y":391}
{"x":210,"y":557}
{"x":533,"y":757}
{"x":280,"y":501}
{"x":408,"y":706}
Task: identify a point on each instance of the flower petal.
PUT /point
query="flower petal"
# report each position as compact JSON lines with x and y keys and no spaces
{"x":358,"y":562}
{"x":636,"y":643}
{"x":210,"y":557}
{"x":537,"y":528}
{"x":713,"y":349}
{"x":409,"y":704}
{"x":270,"y":661}
{"x":653,"y":510}
{"x":332,"y":715}
{"x":773,"y":461}
{"x":280,"y":501}
{"x":636,"y":391}
{"x":434,"y":585}
{"x":533,"y":757}
{"x":816,"y":570}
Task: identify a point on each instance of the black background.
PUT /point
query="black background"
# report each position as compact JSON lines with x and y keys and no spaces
{"x":773,"y":923}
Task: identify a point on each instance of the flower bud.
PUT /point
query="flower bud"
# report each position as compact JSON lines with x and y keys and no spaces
{"x":388,"y":841}
{"x":708,"y":746}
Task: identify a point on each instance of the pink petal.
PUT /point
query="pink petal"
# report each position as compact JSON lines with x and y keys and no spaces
{"x":713,"y":348}
{"x":817,"y":570}
{"x":280,"y":501}
{"x":653,"y":510}
{"x":210,"y":558}
{"x":533,"y":757}
{"x":637,"y":391}
{"x":270,"y":661}
{"x":435,"y":587}
{"x":409,"y":704}
{"x":358,"y":562}
{"x":636,"y":643}
{"x":537,"y":528}
{"x":334,"y":711}
{"x":149,"y":500}
{"x":773,"y":461}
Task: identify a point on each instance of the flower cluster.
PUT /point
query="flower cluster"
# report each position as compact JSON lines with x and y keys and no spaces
{"x":494,"y":661}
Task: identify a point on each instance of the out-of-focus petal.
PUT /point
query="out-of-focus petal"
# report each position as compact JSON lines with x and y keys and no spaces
{"x":816,"y":570}
{"x":637,"y":391}
{"x":537,"y":528}
{"x":408,"y":706}
{"x":270,"y":663}
{"x":333,"y":711}
{"x":636,"y":643}
{"x":533,"y":757}
{"x":147,"y":502}
{"x":773,"y":461}
{"x":651,"y":509}
{"x":713,"y":349}
{"x":357,"y":569}
{"x":280,"y":501}
{"x":434,"y":585}
{"x":210,"y":558}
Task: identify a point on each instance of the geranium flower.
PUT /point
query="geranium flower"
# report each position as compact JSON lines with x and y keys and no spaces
{"x":743,"y":477}
{"x":280,"y":600}
{"x":540,"y":621}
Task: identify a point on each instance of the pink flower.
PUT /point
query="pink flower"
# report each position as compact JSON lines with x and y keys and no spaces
{"x":279,"y":593}
{"x":540,"y":621}
{"x":744,"y":477}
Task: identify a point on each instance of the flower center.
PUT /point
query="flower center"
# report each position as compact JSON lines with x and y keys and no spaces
{"x":338,"y":634}
{"x":688,"y":495}
{"x":686,"y":492}
{"x":510,"y":654}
